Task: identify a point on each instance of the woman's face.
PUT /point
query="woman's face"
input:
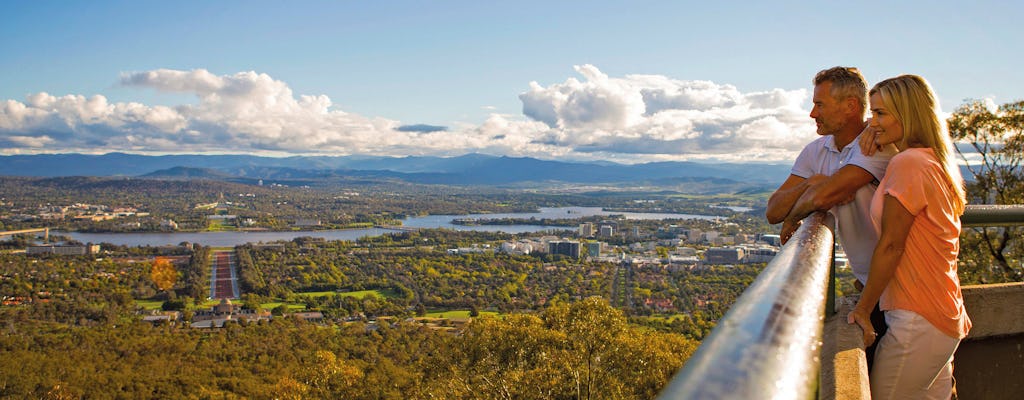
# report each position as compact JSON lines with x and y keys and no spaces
{"x":887,"y":128}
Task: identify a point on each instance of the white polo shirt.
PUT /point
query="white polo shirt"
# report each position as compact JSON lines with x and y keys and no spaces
{"x":853,"y":219}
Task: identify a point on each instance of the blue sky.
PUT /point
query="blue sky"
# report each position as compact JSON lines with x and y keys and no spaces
{"x":623,"y":81}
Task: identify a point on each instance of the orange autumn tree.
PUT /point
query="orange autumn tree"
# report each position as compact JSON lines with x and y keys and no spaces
{"x":164,"y":274}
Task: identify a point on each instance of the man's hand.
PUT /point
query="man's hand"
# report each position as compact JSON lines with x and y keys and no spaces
{"x":788,"y":228}
{"x":863,"y":318}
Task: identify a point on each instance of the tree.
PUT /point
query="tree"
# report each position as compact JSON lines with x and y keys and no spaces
{"x":164,"y":274}
{"x":994,"y":158}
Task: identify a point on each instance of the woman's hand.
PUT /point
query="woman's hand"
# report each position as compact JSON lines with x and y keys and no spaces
{"x":863,"y":318}
{"x":868,"y":142}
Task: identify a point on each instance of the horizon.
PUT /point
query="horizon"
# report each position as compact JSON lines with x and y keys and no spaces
{"x":283,"y":156}
{"x":571,"y":81}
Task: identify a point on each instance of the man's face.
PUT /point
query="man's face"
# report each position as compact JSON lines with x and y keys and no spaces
{"x":828,"y":113}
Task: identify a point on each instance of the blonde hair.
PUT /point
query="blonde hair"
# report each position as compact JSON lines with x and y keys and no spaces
{"x":846,"y":82}
{"x":911,"y":100}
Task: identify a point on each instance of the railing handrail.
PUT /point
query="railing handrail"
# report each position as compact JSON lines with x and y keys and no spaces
{"x":767,"y":346}
{"x":976,"y":215}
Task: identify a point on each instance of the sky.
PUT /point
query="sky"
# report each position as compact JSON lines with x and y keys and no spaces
{"x":622,"y":81}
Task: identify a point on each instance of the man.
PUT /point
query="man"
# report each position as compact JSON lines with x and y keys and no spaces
{"x":832,"y":174}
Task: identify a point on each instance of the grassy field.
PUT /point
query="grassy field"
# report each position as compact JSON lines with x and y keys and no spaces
{"x":359,"y":294}
{"x":150,"y":304}
{"x":217,"y":225}
{"x":456,"y":314}
{"x":291,"y":306}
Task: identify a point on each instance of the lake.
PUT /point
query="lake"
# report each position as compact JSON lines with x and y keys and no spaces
{"x":231,"y":239}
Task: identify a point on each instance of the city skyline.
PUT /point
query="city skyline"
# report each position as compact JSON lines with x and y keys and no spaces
{"x":619,"y":81}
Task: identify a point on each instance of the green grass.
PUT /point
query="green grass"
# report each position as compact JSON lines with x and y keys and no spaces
{"x":150,"y":304}
{"x":217,"y":225}
{"x":291,"y":306}
{"x":666,"y":318}
{"x":457,"y":314}
{"x":358,"y":294}
{"x":207,"y":304}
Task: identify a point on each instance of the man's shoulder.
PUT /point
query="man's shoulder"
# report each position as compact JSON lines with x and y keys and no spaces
{"x":822,"y":143}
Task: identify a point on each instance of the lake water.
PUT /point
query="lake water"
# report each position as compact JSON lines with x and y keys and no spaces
{"x":230,"y":239}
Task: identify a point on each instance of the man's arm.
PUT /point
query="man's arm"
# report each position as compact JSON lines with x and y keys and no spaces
{"x":782,"y":201}
{"x":837,"y":189}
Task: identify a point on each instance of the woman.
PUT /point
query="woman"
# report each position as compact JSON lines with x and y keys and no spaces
{"x":916,"y":210}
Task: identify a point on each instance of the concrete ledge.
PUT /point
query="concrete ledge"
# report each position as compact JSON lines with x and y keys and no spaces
{"x":844,"y":368}
{"x":989,"y":362}
{"x":995,"y":310}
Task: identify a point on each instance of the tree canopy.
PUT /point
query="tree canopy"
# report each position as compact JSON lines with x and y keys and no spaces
{"x":990,"y":142}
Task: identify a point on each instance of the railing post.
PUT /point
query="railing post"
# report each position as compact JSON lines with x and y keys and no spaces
{"x":830,"y":299}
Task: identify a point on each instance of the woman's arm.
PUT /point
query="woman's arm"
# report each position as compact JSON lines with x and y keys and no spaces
{"x":896,"y":223}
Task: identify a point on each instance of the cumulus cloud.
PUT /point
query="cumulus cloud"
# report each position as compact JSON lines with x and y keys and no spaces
{"x":635,"y":118}
{"x":653,"y":116}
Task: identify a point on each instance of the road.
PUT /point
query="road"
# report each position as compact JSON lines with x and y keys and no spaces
{"x":223,"y":280}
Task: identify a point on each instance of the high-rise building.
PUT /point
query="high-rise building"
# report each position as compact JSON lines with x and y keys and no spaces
{"x":565,"y":247}
{"x":586,"y":230}
{"x":607,"y":231}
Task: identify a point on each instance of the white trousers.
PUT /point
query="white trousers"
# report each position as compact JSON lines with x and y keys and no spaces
{"x":913,"y":360}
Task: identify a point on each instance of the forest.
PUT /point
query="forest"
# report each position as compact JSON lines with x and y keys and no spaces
{"x":77,"y":333}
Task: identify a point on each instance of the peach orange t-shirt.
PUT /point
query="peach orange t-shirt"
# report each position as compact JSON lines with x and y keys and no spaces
{"x":925,"y":280}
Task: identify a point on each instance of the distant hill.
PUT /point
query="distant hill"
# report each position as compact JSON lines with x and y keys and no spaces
{"x":470,"y":169}
{"x":188,"y":173}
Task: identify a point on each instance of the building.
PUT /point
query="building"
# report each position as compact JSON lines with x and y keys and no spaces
{"x":72,"y":250}
{"x":594,"y":249}
{"x":694,"y":235}
{"x":586,"y":230}
{"x":168,"y":224}
{"x":773,"y":240}
{"x":723,"y":255}
{"x":225,"y":311}
{"x":760,"y":254}
{"x":607,"y":231}
{"x":565,"y":248}
{"x":517,"y":247}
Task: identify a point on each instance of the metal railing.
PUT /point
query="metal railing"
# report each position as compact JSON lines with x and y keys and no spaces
{"x":766,"y":346}
{"x":992,"y":215}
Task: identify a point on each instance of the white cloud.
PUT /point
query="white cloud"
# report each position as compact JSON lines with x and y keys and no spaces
{"x":652,"y":116}
{"x":635,"y":118}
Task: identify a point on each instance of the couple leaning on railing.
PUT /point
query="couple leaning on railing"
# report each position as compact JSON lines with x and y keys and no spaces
{"x":894,"y":187}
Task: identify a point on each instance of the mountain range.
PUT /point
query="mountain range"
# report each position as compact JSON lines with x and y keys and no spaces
{"x":469,"y":169}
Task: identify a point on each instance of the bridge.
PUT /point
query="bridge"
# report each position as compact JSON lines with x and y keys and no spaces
{"x":46,"y":232}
